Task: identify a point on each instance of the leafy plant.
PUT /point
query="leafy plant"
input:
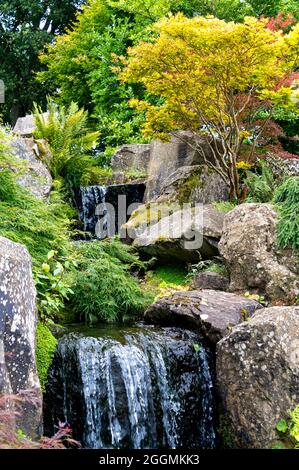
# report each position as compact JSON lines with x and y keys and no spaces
{"x":104,"y":289}
{"x":69,"y":139}
{"x":290,"y":428}
{"x":53,"y":285}
{"x":261,"y":183}
{"x":287,"y":199}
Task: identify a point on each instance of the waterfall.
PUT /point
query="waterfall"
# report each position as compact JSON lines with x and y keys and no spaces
{"x":118,"y":198}
{"x":148,"y":388}
{"x":91,"y":197}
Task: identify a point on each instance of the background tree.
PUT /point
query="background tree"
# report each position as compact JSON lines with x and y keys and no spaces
{"x":25,"y":27}
{"x":214,"y":79}
{"x":80,"y":66}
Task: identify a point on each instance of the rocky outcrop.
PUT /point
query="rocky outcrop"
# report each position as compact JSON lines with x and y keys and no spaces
{"x":258,"y":375}
{"x":25,"y":126}
{"x":213,"y":313}
{"x":210,"y":280}
{"x":131,"y":159}
{"x":184,"y":235}
{"x":167,"y":158}
{"x":283,"y":166}
{"x":248,"y":246}
{"x":194,"y":184}
{"x":35,"y":176}
{"x":18,"y":375}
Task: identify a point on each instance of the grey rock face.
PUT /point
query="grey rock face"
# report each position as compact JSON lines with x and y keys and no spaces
{"x":132,"y":157}
{"x":248,"y":246}
{"x":167,"y":158}
{"x":25,"y":126}
{"x":195,"y":184}
{"x":213,"y":313}
{"x":258,"y":375}
{"x":36,"y":176}
{"x":18,"y":375}
{"x":183,"y":235}
{"x":210,"y":280}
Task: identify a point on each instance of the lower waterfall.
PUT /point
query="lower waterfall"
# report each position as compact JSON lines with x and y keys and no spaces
{"x":139,"y":388}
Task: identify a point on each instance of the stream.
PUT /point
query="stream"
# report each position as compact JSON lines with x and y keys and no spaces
{"x":136,"y":387}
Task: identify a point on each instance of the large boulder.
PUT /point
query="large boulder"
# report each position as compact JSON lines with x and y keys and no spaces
{"x":213,"y":313}
{"x":194,"y":184}
{"x":132,"y":158}
{"x":18,"y":375}
{"x":185,"y":235}
{"x":35,"y":176}
{"x":258,"y":375}
{"x":210,"y":280}
{"x":248,"y":246}
{"x":167,"y":158}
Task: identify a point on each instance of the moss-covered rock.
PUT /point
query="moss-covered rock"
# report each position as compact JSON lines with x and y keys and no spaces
{"x":45,"y":349}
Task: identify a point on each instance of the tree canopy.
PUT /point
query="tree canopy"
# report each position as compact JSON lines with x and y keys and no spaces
{"x":25,"y":27}
{"x":214,"y":77}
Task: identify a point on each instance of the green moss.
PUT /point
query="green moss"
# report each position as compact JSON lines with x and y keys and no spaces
{"x":174,"y":275}
{"x":150,"y":214}
{"x":186,"y":187}
{"x":45,"y":349}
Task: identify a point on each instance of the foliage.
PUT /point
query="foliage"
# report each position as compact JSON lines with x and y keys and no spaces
{"x":69,"y":139}
{"x":213,"y":78}
{"x":104,"y":289}
{"x":287,"y":199}
{"x":290,"y":428}
{"x":260,"y":183}
{"x":53,"y":285}
{"x":224,"y":206}
{"x":45,"y":349}
{"x":11,"y":408}
{"x":25,"y":27}
{"x":214,"y":266}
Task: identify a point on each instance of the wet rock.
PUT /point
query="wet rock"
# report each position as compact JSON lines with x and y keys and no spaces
{"x":35,"y":176}
{"x":149,"y":388}
{"x":210,"y":280}
{"x":213,"y":313}
{"x":258,"y":375}
{"x":185,"y":235}
{"x":18,"y":375}
{"x":248,"y":246}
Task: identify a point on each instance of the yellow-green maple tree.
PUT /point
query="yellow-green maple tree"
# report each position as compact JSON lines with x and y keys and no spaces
{"x":213,"y":78}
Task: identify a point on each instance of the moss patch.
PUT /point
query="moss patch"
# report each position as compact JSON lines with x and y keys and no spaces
{"x":45,"y":349}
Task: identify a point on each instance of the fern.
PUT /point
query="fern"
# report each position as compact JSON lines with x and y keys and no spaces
{"x":287,"y":199}
{"x":261,"y":185}
{"x":69,"y":139}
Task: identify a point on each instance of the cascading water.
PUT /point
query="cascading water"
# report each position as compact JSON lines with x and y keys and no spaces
{"x":107,"y":197}
{"x":149,"y":388}
{"x":91,"y":197}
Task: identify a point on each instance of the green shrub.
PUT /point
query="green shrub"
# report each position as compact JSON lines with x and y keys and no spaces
{"x":104,"y":289}
{"x":287,"y":199}
{"x":45,"y":349}
{"x":32,"y":222}
{"x":261,"y":183}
